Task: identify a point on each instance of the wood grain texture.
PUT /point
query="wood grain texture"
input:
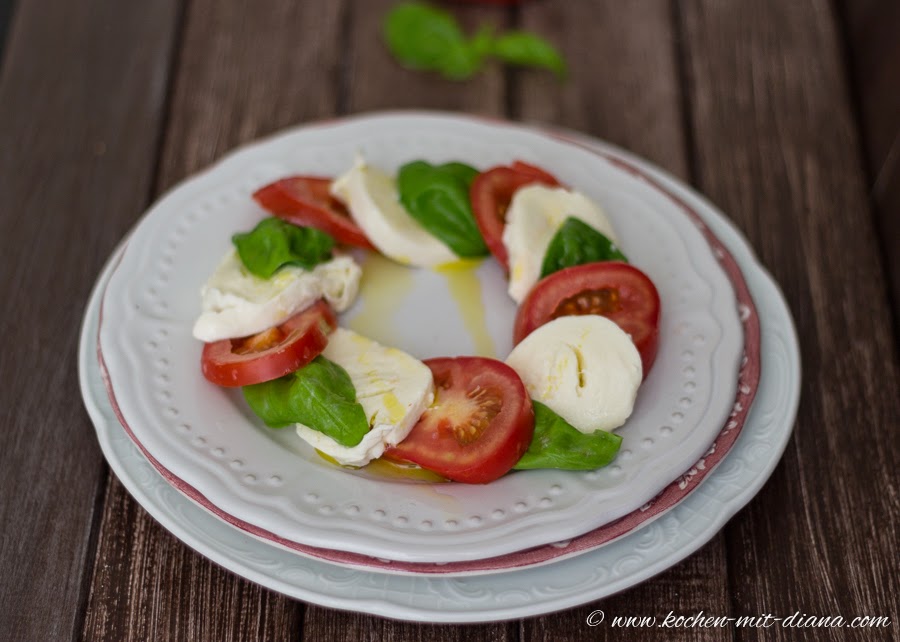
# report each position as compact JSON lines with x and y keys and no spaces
{"x":872,"y":31}
{"x":149,"y":586}
{"x":81,"y":97}
{"x":623,"y":87}
{"x":623,"y":80}
{"x":245,"y":72}
{"x":6,"y":10}
{"x":776,"y":147}
{"x":242,"y":73}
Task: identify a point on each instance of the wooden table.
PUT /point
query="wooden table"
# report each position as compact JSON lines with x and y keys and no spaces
{"x":784,"y":113}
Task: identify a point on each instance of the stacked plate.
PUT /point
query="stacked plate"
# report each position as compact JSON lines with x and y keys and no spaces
{"x":717,"y":407}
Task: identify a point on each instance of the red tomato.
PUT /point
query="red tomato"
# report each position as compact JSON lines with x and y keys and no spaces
{"x":533,"y":170}
{"x":615,"y":290}
{"x":491,"y":193}
{"x":306,"y":200}
{"x":479,"y":426}
{"x":272,"y":353}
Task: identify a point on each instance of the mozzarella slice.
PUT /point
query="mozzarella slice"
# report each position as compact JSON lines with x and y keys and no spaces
{"x":339,"y":280}
{"x":236,"y":303}
{"x":374,"y":204}
{"x":533,"y":218}
{"x":393,"y":388}
{"x":584,"y":368}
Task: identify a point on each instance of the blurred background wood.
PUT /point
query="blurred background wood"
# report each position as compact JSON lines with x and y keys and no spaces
{"x":6,"y":9}
{"x":872,"y":32}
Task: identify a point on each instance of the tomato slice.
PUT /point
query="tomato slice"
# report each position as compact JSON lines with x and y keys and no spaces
{"x":615,"y":290}
{"x":479,"y":426}
{"x":307,"y":200}
{"x":533,"y":170}
{"x":492,"y":192}
{"x":272,"y":353}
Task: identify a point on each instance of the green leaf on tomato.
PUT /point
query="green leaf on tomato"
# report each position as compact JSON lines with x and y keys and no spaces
{"x":557,"y":444}
{"x":437,"y":196}
{"x":320,"y":395}
{"x":577,"y":243}
{"x":275,"y":243}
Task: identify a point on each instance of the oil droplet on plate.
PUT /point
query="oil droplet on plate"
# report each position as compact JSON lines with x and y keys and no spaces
{"x":391,"y":470}
{"x":382,"y":289}
{"x":385,"y":469}
{"x":465,"y":288}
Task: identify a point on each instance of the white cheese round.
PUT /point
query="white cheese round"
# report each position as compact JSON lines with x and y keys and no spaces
{"x":533,"y":218}
{"x":236,"y":303}
{"x":374,"y":204}
{"x":584,"y":368}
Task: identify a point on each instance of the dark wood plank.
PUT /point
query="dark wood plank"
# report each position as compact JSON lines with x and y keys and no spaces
{"x":886,"y":196}
{"x":623,"y":82}
{"x":242,"y":73}
{"x":871,"y":28}
{"x":81,"y":97}
{"x":6,"y":10}
{"x":776,"y":147}
{"x":149,"y":586}
{"x":624,"y":88}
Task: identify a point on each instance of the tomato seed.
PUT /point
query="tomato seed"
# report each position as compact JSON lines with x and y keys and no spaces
{"x":258,"y":342}
{"x":604,"y":301}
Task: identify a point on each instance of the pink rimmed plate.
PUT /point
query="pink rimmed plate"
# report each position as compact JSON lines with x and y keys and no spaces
{"x":270,"y":485}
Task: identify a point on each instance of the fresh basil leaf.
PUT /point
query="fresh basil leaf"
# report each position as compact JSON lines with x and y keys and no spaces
{"x":421,"y":36}
{"x":275,"y":243}
{"x":465,"y":173}
{"x":528,"y":49}
{"x":483,"y":41}
{"x":460,"y":62}
{"x":437,"y":196}
{"x":556,"y":444}
{"x":319,"y":395}
{"x":577,"y":243}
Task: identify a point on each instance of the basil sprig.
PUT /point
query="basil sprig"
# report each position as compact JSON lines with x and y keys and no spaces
{"x":437,"y":196}
{"x":319,"y":395}
{"x":577,"y":243}
{"x":425,"y":37}
{"x":274,"y":243}
{"x":528,"y":50}
{"x":557,"y":444}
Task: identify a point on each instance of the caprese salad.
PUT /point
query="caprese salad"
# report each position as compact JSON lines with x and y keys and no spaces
{"x":585,"y":334}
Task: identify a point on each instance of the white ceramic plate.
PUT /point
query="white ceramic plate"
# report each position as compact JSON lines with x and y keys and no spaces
{"x":217,"y":451}
{"x":522,"y":593}
{"x":675,"y":492}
